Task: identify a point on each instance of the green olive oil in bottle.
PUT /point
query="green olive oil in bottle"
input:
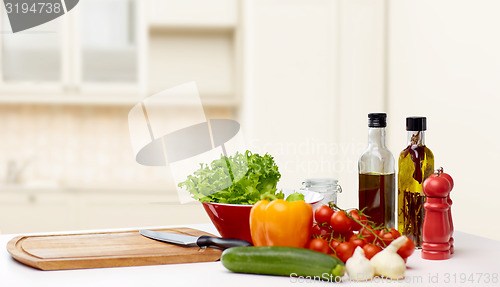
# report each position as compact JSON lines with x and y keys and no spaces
{"x":416,"y":163}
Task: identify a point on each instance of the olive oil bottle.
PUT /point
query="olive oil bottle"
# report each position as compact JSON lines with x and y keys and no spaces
{"x":376,"y":191}
{"x":415,"y":164}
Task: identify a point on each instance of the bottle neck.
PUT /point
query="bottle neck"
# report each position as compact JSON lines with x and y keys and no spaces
{"x":376,"y":137}
{"x":416,"y":138}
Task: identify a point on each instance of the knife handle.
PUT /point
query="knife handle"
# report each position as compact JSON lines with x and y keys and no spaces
{"x":222,"y":243}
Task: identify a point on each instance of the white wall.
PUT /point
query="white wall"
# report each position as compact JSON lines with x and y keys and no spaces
{"x":315,"y":69}
{"x":290,"y":84}
{"x":445,"y":64}
{"x":362,"y":84}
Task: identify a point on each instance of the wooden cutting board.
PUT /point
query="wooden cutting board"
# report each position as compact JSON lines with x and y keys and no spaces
{"x":110,"y":249}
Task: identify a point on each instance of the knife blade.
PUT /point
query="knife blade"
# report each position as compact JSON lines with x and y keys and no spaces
{"x":189,"y":241}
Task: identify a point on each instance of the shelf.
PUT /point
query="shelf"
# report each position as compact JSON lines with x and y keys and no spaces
{"x":193,"y":14}
{"x":68,"y":100}
{"x":104,"y":100}
{"x":191,"y":27}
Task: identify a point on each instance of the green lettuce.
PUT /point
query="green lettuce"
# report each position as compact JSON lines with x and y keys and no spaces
{"x":295,"y":197}
{"x":238,"y":179}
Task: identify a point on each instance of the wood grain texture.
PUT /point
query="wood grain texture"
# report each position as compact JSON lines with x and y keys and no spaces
{"x":111,"y":249}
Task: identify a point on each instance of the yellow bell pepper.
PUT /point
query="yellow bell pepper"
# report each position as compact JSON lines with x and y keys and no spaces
{"x":281,"y":223}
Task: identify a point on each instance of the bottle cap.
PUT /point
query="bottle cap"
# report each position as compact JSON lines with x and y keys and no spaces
{"x":377,"y":120}
{"x":416,"y":123}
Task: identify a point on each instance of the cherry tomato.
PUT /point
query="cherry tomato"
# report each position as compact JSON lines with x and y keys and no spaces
{"x":388,"y":235}
{"x":342,"y":236}
{"x":340,"y":222}
{"x":324,"y":232}
{"x":345,"y":250}
{"x":371,"y":250}
{"x":406,"y":249}
{"x":437,"y":186}
{"x":323,"y":214}
{"x":366,"y":233}
{"x":357,"y":241}
{"x":320,"y":245}
{"x":334,"y":243}
{"x":355,"y":214}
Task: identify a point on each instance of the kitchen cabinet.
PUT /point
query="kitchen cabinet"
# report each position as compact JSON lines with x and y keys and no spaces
{"x":32,"y":57}
{"x":201,"y":14}
{"x":196,"y":40}
{"x":92,"y":54}
{"x":50,"y":209}
{"x":108,"y":209}
{"x":109,"y":41}
{"x":118,"y":51}
{"x":36,"y":211}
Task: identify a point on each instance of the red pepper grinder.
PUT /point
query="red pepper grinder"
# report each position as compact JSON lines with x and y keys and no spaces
{"x":440,"y":172}
{"x":436,"y":229}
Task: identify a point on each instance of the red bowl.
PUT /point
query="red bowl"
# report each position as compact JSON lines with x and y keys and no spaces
{"x":233,"y":220}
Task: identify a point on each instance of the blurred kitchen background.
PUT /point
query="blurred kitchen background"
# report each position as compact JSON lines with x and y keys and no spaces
{"x":299,"y":75}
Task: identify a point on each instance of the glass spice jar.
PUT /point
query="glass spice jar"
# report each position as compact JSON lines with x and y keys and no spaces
{"x":328,"y":187}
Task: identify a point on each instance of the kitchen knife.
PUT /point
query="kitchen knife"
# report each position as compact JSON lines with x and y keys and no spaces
{"x":188,"y":240}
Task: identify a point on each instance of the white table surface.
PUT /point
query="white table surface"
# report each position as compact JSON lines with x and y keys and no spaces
{"x":476,"y":260}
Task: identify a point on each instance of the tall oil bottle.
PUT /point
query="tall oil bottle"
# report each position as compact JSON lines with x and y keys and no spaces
{"x":415,"y":164}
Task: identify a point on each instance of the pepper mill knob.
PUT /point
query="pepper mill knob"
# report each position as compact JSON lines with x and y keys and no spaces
{"x":436,"y":230}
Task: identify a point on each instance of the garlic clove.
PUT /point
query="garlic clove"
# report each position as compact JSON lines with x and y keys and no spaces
{"x":388,"y":263}
{"x":358,"y":267}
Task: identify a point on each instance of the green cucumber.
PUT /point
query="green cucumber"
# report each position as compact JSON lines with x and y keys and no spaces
{"x":283,"y":261}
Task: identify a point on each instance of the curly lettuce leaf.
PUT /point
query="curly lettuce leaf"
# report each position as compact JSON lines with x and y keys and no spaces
{"x":238,"y":179}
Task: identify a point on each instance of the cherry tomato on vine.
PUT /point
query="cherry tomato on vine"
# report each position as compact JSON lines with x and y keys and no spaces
{"x":387,"y":235}
{"x":357,"y":241}
{"x":340,"y":222}
{"x":320,"y":245}
{"x":324,"y":232}
{"x":342,"y":236}
{"x":406,"y":249}
{"x":323,"y":214}
{"x":334,"y":243}
{"x":360,"y":217}
{"x":371,"y":250}
{"x":345,"y":250}
{"x":367,"y":233}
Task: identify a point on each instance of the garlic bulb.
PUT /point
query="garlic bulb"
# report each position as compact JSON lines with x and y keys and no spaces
{"x":358,"y":267}
{"x":388,"y":263}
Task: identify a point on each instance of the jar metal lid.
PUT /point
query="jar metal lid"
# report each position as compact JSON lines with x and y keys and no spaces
{"x":320,"y":181}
